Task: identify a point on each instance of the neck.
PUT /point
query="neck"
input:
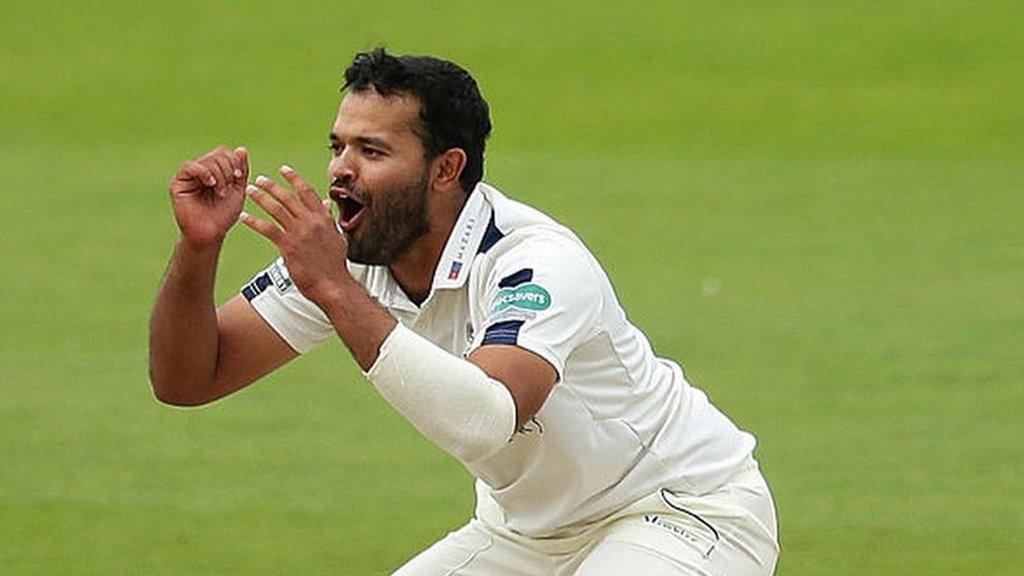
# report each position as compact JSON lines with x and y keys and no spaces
{"x":414,"y":270}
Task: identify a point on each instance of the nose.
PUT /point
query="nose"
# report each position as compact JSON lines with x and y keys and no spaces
{"x":341,"y":167}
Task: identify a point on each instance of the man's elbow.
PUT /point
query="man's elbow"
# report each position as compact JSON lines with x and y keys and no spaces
{"x":172,"y":393}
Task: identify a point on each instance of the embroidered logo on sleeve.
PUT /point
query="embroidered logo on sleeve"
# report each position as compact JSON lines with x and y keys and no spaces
{"x":525,"y":297}
{"x":279,"y":274}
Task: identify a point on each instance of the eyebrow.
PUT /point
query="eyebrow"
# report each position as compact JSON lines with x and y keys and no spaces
{"x":364,"y":140}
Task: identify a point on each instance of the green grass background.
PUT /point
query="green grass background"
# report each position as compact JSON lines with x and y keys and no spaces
{"x":815,"y":206}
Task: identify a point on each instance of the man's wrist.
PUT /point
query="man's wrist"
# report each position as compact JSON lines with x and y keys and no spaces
{"x":195,"y":245}
{"x":360,"y":321}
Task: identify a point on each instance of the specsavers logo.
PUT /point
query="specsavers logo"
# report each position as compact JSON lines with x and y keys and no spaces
{"x":526,"y":297}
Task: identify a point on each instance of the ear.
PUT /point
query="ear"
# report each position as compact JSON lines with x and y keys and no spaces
{"x":448,"y":167}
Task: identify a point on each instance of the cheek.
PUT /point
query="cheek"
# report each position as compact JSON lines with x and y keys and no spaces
{"x":382,"y":175}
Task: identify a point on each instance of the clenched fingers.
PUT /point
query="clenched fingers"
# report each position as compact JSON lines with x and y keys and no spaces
{"x":216,"y":168}
{"x":223,"y":164}
{"x":193,"y":176}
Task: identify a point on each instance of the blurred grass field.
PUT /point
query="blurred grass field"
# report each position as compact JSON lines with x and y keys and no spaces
{"x":816,"y":207}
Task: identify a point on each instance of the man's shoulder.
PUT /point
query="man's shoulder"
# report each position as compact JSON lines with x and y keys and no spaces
{"x":522,"y":241}
{"x":512,"y":215}
{"x":515,"y":223}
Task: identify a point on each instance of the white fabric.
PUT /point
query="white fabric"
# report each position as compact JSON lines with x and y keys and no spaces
{"x":619,"y":424}
{"x":731,"y":531}
{"x":449,"y":400}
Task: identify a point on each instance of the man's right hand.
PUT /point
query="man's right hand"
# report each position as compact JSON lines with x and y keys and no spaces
{"x":207,"y":194}
{"x":198,"y":352}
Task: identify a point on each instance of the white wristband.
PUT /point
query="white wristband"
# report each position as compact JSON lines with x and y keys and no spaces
{"x":449,"y":400}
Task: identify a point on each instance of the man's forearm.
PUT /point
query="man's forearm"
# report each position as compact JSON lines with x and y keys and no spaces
{"x":451,"y":401}
{"x":183,"y":328}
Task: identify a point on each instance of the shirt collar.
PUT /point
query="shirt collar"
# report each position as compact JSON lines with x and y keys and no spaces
{"x":464,"y":241}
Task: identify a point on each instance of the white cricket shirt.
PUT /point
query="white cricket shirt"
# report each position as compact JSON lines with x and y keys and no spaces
{"x":620,"y":423}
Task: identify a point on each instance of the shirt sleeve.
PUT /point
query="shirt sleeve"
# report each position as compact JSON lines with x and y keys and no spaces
{"x":544,"y":294}
{"x":300,"y":322}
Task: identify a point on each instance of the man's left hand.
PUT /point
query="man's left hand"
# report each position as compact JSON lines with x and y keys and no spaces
{"x":305,"y":234}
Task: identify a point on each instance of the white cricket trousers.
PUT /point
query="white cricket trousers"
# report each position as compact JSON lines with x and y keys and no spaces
{"x":729,"y":532}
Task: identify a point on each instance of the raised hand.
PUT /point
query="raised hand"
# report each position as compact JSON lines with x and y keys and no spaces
{"x":305,"y":234}
{"x":207,"y":194}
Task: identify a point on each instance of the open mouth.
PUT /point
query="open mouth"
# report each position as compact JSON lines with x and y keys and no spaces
{"x":350,"y":210}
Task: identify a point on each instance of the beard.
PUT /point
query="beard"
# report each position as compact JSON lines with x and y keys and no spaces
{"x":397,"y":218}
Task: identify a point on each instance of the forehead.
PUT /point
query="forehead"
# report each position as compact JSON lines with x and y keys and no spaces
{"x":367,"y":113}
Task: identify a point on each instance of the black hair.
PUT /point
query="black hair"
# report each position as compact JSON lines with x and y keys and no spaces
{"x":452,"y":111}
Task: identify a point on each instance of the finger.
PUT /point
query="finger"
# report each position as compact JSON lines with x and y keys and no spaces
{"x":221,"y":178}
{"x":242,"y":161}
{"x":286,"y":198}
{"x":270,"y":205}
{"x":236,"y":168}
{"x":307,"y":195}
{"x":194,"y":171}
{"x":224,"y":163}
{"x":262,"y":227}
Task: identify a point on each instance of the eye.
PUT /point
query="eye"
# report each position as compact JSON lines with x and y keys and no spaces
{"x":372,"y":152}
{"x":335,"y":148}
